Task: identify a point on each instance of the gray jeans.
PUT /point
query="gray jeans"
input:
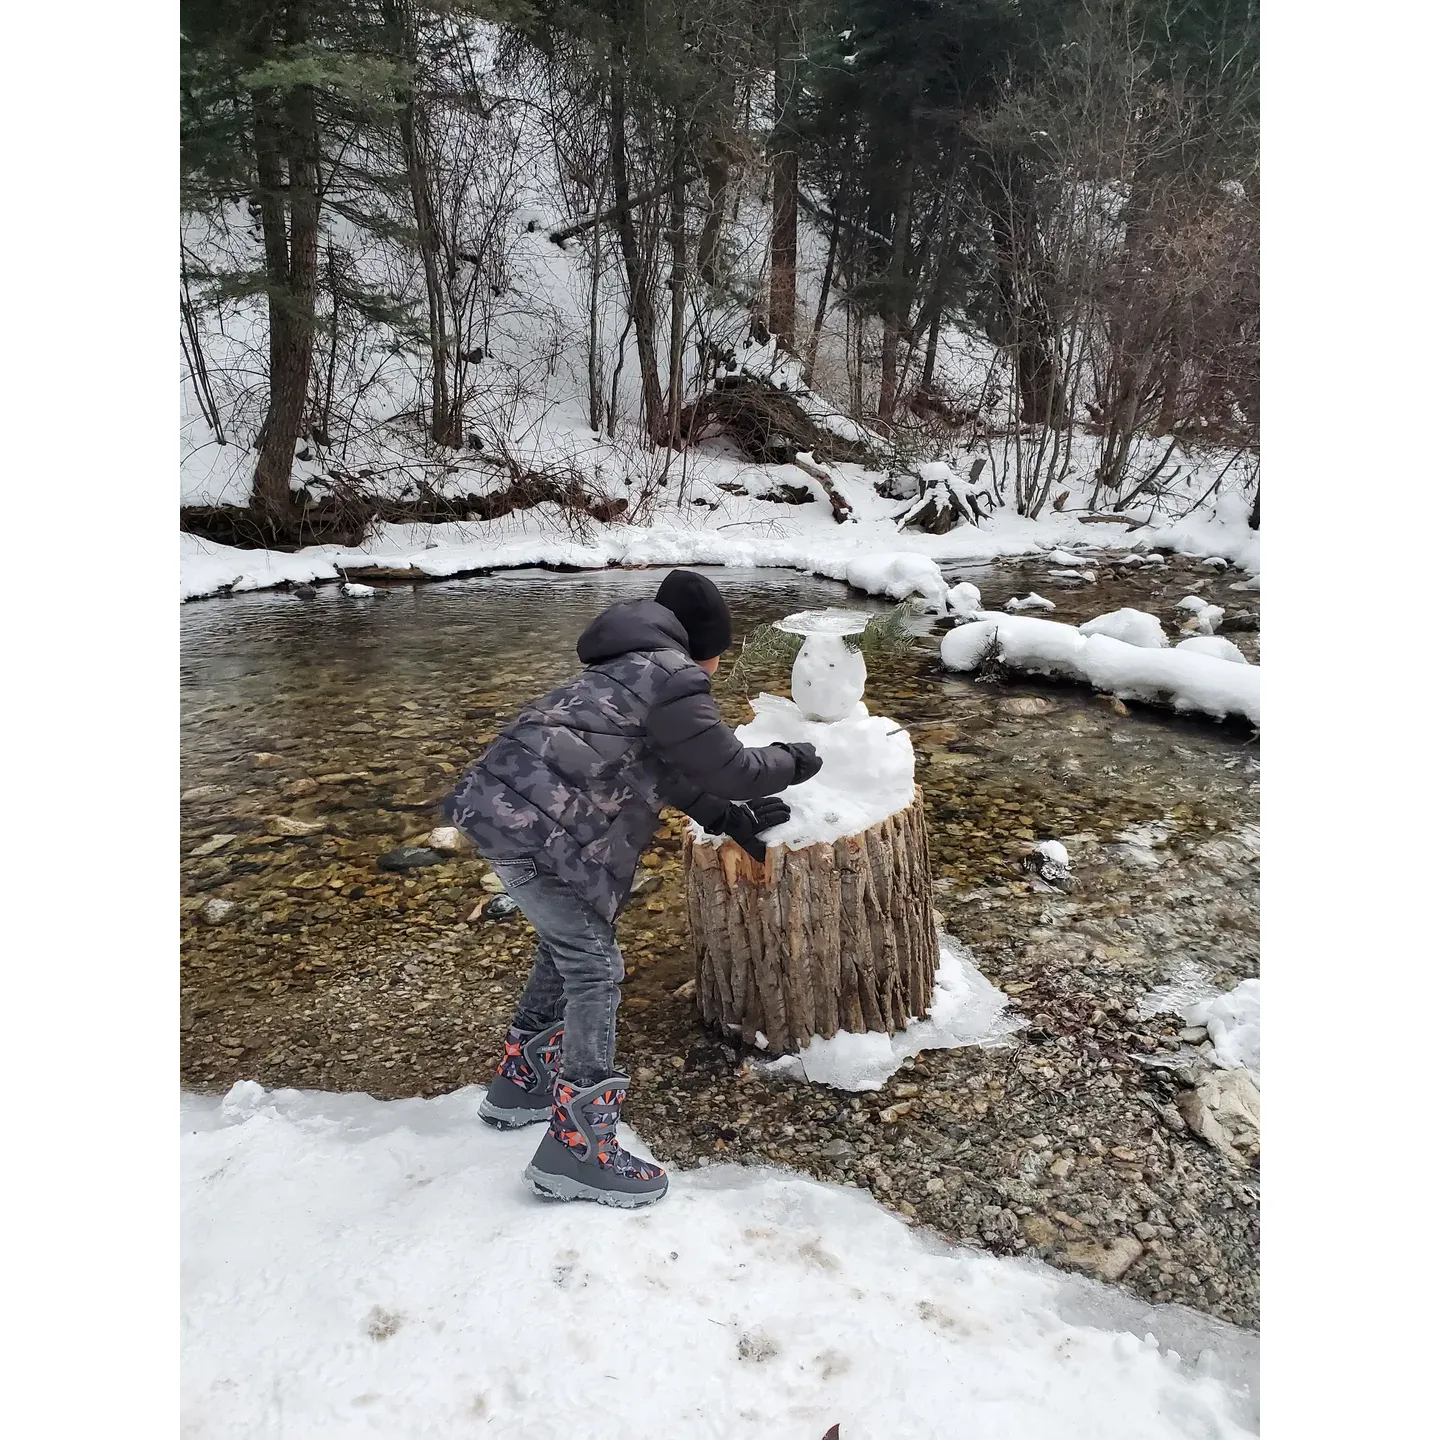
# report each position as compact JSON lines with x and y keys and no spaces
{"x":577,"y":971}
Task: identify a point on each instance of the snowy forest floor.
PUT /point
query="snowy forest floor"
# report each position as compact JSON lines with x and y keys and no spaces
{"x":347,"y":720}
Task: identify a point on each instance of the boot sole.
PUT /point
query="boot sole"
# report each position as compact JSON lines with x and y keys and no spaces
{"x":561,"y":1187}
{"x":512,"y":1118}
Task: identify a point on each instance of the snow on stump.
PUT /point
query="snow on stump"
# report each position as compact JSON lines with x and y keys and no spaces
{"x":834,"y":930}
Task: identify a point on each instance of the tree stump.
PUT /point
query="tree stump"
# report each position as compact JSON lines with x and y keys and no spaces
{"x":837,"y":936}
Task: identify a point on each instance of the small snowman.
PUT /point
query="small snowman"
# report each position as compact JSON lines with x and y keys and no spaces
{"x":827,"y":680}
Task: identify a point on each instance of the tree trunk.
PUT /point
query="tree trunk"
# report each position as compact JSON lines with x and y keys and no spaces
{"x":717,"y":182}
{"x":1029,"y":323}
{"x":813,"y":348}
{"x":677,"y":284}
{"x":592,"y":358}
{"x":828,"y":938}
{"x":444,"y":416}
{"x":784,"y":192}
{"x":716,"y":154}
{"x":642,"y":303}
{"x":287,"y":167}
{"x":932,"y":350}
{"x":897,"y":296}
{"x":567,"y":233}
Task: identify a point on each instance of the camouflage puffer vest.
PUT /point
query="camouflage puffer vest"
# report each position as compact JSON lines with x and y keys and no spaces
{"x":573,"y":782}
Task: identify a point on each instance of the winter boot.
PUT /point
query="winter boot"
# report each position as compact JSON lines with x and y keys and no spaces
{"x":520,"y":1092}
{"x":580,"y":1158}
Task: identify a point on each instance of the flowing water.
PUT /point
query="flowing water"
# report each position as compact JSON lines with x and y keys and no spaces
{"x":362,"y":712}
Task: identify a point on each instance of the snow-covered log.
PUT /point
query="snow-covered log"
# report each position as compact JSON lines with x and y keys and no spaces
{"x":1181,"y":678}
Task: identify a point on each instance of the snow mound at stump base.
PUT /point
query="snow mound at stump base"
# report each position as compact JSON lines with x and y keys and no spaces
{"x":965,"y":1009}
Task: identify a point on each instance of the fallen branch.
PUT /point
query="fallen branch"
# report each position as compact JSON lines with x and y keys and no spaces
{"x":588,"y":222}
{"x":839,"y":506}
{"x":1125,"y":520}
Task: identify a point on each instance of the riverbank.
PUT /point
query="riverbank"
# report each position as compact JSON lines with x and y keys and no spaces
{"x":725,"y":529}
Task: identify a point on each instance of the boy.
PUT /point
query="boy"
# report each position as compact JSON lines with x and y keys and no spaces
{"x":561,"y":804}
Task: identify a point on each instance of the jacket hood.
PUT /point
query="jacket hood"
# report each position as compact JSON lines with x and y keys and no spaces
{"x":631,"y":625}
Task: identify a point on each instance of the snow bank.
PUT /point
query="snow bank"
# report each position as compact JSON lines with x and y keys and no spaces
{"x":964,"y":600}
{"x":1216,"y":646}
{"x":355,"y":1267}
{"x":1031,"y":602}
{"x":1204,"y":616}
{"x":434,"y":552}
{"x":1183,"y":679}
{"x":965,"y":1009}
{"x":869,"y":771}
{"x":740,"y":531}
{"x":899,"y":575}
{"x":1233,"y":1020}
{"x":1134,"y":627}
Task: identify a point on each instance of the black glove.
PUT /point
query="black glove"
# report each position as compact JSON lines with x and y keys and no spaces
{"x":744,"y":820}
{"x":807,"y":759}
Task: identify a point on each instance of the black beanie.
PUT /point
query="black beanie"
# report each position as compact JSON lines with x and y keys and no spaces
{"x":700,"y":608}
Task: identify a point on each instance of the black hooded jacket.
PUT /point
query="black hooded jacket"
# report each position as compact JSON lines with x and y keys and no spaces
{"x":577,"y":781}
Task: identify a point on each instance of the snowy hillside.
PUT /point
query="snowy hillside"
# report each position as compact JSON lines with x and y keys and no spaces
{"x":552,"y":389}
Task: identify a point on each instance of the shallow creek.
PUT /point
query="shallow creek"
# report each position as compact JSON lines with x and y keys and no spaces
{"x":320,"y":734}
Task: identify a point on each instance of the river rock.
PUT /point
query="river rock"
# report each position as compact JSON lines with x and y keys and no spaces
{"x":287,"y":825}
{"x":299,"y":789}
{"x":1038,"y":1230}
{"x":449,"y":841}
{"x":410,"y":857}
{"x":1026,"y":705}
{"x":210,"y":846}
{"x":502,"y":907}
{"x":1050,"y":861}
{"x":1106,"y":1262}
{"x":217,"y":911}
{"x":1224,"y":1111}
{"x":304,"y":592}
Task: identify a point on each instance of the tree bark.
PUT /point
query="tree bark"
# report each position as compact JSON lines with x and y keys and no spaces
{"x":897,"y":296}
{"x":677,"y":283}
{"x":832,"y":937}
{"x":642,"y":303}
{"x":444,"y":415}
{"x":1029,"y":324}
{"x":717,"y":181}
{"x":813,"y":348}
{"x":287,"y":168}
{"x":784,"y":193}
{"x":932,"y":350}
{"x":445,"y":425}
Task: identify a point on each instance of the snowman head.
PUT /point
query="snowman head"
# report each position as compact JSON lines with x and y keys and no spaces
{"x":827,"y":680}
